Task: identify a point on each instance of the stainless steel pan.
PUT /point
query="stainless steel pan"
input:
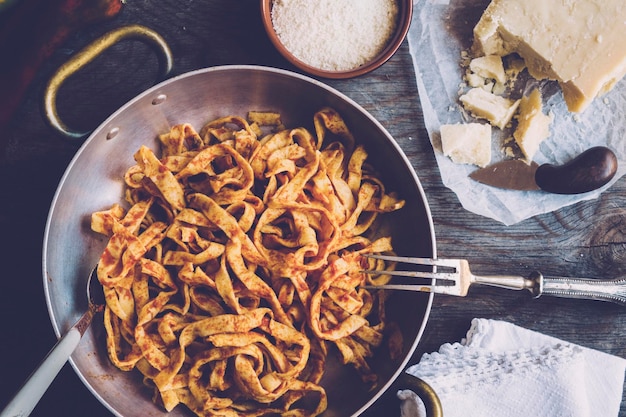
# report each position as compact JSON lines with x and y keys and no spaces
{"x":93,"y":182}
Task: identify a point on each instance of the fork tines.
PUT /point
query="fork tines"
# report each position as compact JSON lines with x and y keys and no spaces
{"x":445,"y":280}
{"x":450,"y":265}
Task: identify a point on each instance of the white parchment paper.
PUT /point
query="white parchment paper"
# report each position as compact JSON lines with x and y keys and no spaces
{"x":439,"y":32}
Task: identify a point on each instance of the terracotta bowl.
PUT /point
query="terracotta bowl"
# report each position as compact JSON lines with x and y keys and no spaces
{"x":405,"y":11}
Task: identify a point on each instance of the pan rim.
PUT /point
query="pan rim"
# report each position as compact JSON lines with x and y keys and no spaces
{"x":56,"y":322}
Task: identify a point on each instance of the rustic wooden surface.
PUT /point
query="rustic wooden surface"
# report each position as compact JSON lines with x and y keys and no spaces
{"x":586,"y":240}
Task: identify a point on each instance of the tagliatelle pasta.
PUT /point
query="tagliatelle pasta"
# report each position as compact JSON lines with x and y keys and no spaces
{"x":237,"y":265}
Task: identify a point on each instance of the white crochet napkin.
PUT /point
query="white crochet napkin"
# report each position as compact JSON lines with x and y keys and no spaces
{"x":503,"y":370}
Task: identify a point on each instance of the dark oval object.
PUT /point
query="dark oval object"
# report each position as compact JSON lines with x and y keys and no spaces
{"x":587,"y":172}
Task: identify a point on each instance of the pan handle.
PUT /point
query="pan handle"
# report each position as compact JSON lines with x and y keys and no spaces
{"x":90,"y":52}
{"x":425,"y":392}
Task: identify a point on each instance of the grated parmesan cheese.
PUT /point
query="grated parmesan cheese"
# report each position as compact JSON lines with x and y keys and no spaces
{"x":334,"y":35}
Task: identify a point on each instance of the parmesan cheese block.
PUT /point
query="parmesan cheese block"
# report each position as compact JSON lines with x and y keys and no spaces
{"x":467,"y":143}
{"x":532,"y":125}
{"x":483,"y":104}
{"x":581,"y":43}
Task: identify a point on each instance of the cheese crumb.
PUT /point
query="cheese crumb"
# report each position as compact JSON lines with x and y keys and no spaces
{"x":467,"y":143}
{"x":507,"y":148}
{"x":335,"y":35}
{"x":489,"y":66}
{"x":474,"y":80}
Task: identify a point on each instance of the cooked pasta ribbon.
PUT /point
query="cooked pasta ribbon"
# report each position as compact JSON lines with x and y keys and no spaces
{"x":237,"y":265}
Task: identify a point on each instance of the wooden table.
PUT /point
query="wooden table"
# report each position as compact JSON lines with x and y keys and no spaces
{"x":587,"y":239}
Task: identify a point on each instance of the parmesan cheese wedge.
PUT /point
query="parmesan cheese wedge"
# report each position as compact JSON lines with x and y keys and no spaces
{"x":467,"y":143}
{"x":533,"y":127}
{"x":483,"y":104}
{"x":578,"y":43}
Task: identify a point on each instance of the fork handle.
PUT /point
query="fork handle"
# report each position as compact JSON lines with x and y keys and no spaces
{"x":511,"y":282}
{"x":613,"y":290}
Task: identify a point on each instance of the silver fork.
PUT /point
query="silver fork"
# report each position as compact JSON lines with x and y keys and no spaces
{"x":455,"y":278}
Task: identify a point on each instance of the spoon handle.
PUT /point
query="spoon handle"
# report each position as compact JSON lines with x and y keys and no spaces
{"x":38,"y":382}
